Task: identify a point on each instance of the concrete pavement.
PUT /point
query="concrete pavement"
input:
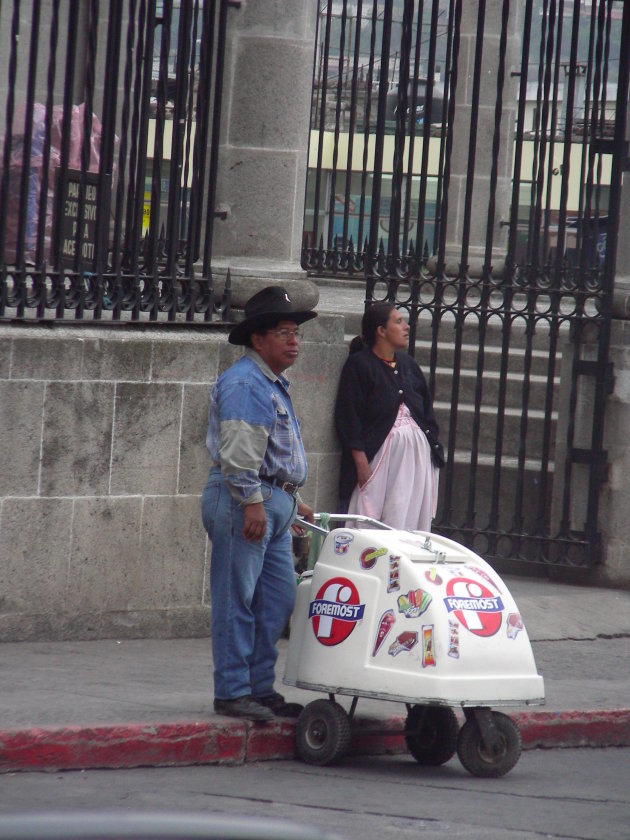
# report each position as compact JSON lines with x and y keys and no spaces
{"x":148,"y":702}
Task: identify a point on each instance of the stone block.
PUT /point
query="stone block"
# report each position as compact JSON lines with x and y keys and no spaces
{"x":308,"y":491}
{"x":171,"y":556}
{"x":117,"y":359}
{"x":34,"y":555}
{"x":228,"y":354}
{"x":251,"y":181}
{"x":314,"y":379}
{"x":77,"y":438}
{"x":5,"y":356}
{"x":146,"y":438}
{"x":176,"y":360}
{"x":270,"y":101}
{"x":325,"y":329}
{"x":194,"y":460}
{"x":21,"y":407}
{"x":105,"y":560}
{"x":327,"y":494}
{"x":43,"y":357}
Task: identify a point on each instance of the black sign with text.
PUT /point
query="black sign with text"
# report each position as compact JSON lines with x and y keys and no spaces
{"x":69,"y":228}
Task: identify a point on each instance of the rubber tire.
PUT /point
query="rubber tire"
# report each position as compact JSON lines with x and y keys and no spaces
{"x":322,"y":732}
{"x":474,"y":756}
{"x":436,"y":742}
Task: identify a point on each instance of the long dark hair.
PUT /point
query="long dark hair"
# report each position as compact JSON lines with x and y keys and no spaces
{"x":374,"y":317}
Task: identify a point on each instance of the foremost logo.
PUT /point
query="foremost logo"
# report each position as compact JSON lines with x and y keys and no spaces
{"x":475,"y":606}
{"x":335,"y":611}
{"x":346,"y":612}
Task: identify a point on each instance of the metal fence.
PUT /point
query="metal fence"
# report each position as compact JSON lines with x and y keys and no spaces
{"x":467,"y":165}
{"x":110,"y":133}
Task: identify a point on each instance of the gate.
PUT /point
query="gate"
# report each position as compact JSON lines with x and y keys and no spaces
{"x":109,"y":149}
{"x":466,"y":160}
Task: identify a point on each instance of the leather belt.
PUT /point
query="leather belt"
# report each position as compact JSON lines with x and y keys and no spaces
{"x":292,"y":489}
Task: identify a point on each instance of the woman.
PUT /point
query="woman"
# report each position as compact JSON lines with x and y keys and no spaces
{"x":385,"y":420}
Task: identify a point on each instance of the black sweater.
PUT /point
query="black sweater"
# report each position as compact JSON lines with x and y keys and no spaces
{"x":369,"y":396}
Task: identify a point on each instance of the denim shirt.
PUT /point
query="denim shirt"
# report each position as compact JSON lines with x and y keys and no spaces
{"x":253,"y":430}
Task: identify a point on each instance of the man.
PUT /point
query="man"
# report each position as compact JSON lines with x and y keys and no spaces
{"x":248,"y":504}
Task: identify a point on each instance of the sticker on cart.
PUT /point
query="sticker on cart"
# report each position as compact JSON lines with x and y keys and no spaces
{"x":428,"y":653}
{"x":388,"y":619}
{"x":342,"y":543}
{"x":483,"y":574}
{"x":393,"y":584}
{"x":404,"y":642}
{"x":453,"y":639}
{"x":433,"y":577}
{"x":414,"y":603}
{"x":475,"y":606}
{"x":369,"y":557}
{"x":514,"y":625}
{"x":335,"y":611}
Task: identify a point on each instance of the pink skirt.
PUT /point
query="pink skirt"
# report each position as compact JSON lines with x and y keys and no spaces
{"x":403,"y":489}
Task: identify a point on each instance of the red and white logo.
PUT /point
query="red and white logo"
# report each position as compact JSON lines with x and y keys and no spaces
{"x":476,"y":607}
{"x":335,"y":611}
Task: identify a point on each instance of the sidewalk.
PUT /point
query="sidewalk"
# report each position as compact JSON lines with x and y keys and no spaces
{"x":148,"y":702}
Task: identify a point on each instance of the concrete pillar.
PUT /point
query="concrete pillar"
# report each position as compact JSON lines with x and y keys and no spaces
{"x":263,"y":155}
{"x":613,"y":509}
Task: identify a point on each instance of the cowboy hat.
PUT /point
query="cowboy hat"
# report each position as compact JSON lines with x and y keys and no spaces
{"x":266,"y":307}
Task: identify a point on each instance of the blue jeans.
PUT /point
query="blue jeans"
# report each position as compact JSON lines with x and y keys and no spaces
{"x":252,"y":587}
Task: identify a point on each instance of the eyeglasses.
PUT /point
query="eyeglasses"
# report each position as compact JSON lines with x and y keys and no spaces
{"x":284,"y":334}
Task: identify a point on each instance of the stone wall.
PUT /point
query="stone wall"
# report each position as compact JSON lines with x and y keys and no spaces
{"x":102,"y":463}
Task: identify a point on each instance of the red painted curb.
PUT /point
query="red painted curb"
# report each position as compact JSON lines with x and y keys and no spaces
{"x":574,"y":729}
{"x":227,"y":741}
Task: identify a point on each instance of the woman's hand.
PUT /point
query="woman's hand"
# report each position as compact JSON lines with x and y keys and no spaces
{"x":362,"y":466}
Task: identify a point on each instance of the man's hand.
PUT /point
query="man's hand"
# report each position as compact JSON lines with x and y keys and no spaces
{"x":255,"y":522}
{"x":306,"y":512}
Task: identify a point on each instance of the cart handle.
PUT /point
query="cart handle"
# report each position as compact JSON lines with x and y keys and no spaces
{"x":341,"y":517}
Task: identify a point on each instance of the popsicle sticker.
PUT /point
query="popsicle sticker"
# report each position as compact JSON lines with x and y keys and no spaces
{"x":403,"y":642}
{"x":388,"y":619}
{"x":414,"y":603}
{"x":394,"y":573}
{"x":428,"y":654}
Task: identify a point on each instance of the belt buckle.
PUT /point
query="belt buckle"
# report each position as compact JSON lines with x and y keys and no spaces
{"x":289,"y":488}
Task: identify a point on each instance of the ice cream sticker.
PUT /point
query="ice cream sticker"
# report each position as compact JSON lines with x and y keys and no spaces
{"x":453,"y":639}
{"x":388,"y":619}
{"x":404,"y":642}
{"x":433,"y":577}
{"x":370,"y":556}
{"x":428,"y":653}
{"x":414,"y":603}
{"x":393,"y":584}
{"x":514,"y":625}
{"x":342,"y":542}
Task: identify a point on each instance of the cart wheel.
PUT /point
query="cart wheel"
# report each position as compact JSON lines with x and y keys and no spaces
{"x":481,"y":762}
{"x":322,"y":732}
{"x":431,"y":734}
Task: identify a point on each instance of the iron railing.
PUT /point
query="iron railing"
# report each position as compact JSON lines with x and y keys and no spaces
{"x":489,"y":211}
{"x":110,"y":133}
